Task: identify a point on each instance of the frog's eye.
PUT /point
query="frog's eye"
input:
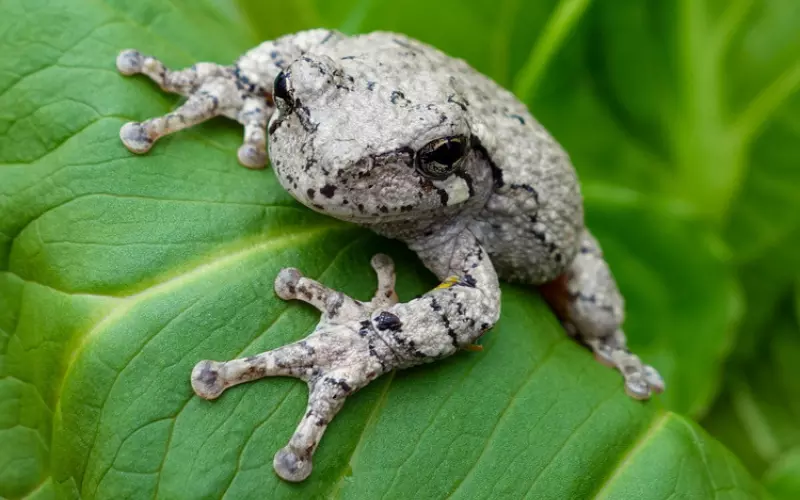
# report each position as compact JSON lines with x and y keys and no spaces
{"x":441,"y":157}
{"x":280,"y":93}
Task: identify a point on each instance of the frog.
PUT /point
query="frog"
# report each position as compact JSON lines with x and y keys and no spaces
{"x":389,"y":133}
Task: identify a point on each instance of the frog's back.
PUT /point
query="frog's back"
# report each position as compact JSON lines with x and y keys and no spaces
{"x":531,"y":225}
{"x":532,"y":221}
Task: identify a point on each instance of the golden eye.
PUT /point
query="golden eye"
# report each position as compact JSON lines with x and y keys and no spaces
{"x":441,"y":157}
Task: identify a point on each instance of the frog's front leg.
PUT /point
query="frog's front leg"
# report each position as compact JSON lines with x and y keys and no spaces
{"x":588,"y":301}
{"x":355,"y":342}
{"x":242,"y":92}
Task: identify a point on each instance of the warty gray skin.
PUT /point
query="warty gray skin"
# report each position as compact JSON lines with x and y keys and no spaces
{"x":389,"y":133}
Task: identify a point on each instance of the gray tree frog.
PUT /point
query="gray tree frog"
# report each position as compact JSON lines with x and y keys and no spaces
{"x":392,"y":134}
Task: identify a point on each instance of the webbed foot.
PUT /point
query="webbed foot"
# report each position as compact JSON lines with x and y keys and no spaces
{"x":211,"y":90}
{"x":342,"y":355}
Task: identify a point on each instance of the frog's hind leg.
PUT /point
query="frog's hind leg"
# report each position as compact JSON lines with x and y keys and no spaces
{"x":139,"y":137}
{"x":587,"y":300}
{"x":212,"y":90}
{"x":184,"y":82}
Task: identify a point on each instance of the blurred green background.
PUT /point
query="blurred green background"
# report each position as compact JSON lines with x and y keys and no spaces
{"x":682,"y":118}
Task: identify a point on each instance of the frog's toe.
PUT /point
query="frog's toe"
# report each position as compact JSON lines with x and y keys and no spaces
{"x":641,"y":381}
{"x":291,"y":466}
{"x":206,"y":380}
{"x":654,"y":379}
{"x":385,"y":294}
{"x":252,"y":156}
{"x":286,"y":283}
{"x":129,"y":62}
{"x":135,"y":137}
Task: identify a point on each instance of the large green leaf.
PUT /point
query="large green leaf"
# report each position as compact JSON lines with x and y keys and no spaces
{"x":117,"y":273}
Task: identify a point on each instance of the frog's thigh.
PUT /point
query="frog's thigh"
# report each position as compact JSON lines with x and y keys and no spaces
{"x":589,"y":303}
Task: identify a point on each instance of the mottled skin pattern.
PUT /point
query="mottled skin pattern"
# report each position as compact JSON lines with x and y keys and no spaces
{"x":392,"y":134}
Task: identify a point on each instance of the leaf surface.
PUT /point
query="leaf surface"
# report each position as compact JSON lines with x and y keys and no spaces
{"x":118,"y":273}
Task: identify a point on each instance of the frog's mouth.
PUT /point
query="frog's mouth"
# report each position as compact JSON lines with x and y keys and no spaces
{"x":370,"y":206}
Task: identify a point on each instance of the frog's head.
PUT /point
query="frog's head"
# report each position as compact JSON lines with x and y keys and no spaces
{"x":348,"y":142}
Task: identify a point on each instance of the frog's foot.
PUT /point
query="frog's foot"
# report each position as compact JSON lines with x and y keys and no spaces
{"x":590,"y":307}
{"x":212,"y":90}
{"x":640,"y":379}
{"x":342,"y":355}
{"x":336,"y":307}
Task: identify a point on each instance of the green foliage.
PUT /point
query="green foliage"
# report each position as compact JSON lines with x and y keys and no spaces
{"x":117,"y":273}
{"x":758,"y":414}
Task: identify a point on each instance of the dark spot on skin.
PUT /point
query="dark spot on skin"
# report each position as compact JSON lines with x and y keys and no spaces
{"x":251,"y":359}
{"x":451,"y":99}
{"x":347,"y":57}
{"x":208,"y":376}
{"x":388,"y":321}
{"x":333,"y":310}
{"x":453,"y":337}
{"x":383,"y":209}
{"x":397,"y":95}
{"x":310,"y":162}
{"x":400,"y":155}
{"x":518,"y":118}
{"x":370,"y":85}
{"x":542,"y":237}
{"x":327,"y":37}
{"x":469,"y":281}
{"x":365,"y":328}
{"x":322,"y":422}
{"x":310,"y":193}
{"x":341,"y":383}
{"x":315,"y":64}
{"x":304,"y":115}
{"x":406,"y":208}
{"x":497,"y":173}
{"x":529,"y":189}
{"x":274,"y":125}
{"x":401,"y":43}
{"x":328,"y":190}
{"x":317,"y":206}
{"x":443,"y":196}
{"x":360,"y":207}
